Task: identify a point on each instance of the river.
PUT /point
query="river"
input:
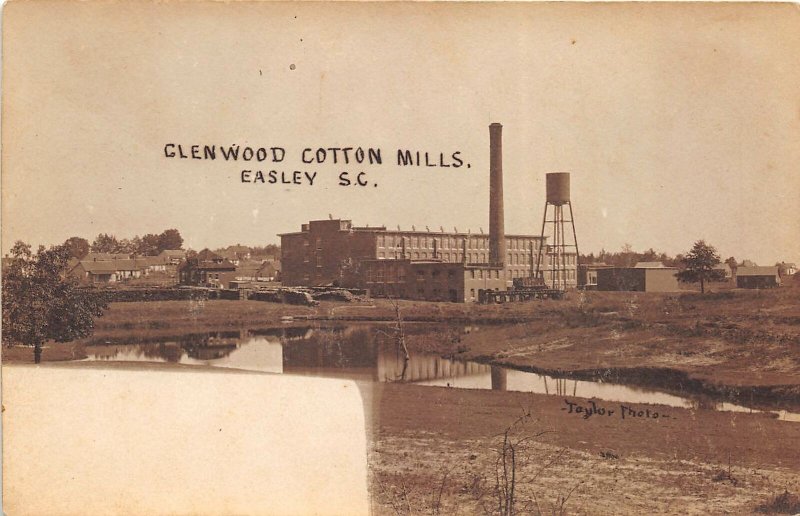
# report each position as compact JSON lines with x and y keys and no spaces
{"x":370,"y":353}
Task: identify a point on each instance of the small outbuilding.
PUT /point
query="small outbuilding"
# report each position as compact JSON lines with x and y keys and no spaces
{"x":757,"y":277}
{"x":587,"y":274}
{"x":638,"y":279}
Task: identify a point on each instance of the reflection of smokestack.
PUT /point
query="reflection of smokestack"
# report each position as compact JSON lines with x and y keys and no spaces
{"x":499,"y":379}
{"x":497,"y":234}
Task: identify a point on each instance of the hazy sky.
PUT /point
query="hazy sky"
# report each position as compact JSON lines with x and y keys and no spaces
{"x":677,"y":122}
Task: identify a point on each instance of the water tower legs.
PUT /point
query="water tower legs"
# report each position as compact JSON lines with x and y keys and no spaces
{"x":560,"y":249}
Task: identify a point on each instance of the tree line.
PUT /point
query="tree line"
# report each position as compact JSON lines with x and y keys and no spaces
{"x":627,"y":257}
{"x":147,"y":245}
{"x":255,"y":251}
{"x":699,"y":265}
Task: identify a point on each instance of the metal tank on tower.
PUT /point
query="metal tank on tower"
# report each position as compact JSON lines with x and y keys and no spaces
{"x":562,"y":250}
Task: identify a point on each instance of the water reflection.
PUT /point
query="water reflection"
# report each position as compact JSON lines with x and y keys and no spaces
{"x":361,"y":352}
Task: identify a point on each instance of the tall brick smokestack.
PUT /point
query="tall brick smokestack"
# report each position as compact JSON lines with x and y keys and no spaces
{"x":497,"y":233}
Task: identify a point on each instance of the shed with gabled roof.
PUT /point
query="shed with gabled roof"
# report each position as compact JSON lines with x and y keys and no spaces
{"x":757,"y":277}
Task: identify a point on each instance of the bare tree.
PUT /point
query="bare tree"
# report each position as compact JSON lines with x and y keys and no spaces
{"x":398,"y":335}
{"x":512,"y":454}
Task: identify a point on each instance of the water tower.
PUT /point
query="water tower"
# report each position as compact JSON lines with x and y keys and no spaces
{"x":561,"y":250}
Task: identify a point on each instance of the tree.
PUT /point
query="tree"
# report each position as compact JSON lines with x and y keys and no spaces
{"x":105,"y":243}
{"x":77,"y":247}
{"x":170,"y":239}
{"x":698,"y":265}
{"x":149,"y":245}
{"x":627,"y":256}
{"x":40,"y":302}
{"x":126,"y":246}
{"x":134,"y":245}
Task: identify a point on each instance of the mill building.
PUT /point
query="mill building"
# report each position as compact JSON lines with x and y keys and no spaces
{"x":424,"y":265}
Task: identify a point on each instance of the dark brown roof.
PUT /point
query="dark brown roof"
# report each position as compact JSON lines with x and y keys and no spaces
{"x":110,"y":266}
{"x":757,"y":271}
{"x":173,"y":253}
{"x":208,"y":255}
{"x":223,"y":265}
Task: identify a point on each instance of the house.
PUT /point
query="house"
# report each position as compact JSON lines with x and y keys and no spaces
{"x":152,"y":263}
{"x":236,"y":254}
{"x":103,"y":257}
{"x":107,"y":271}
{"x":206,"y":269}
{"x":788,"y":269}
{"x":757,"y":277}
{"x":248,"y":271}
{"x":256,"y":271}
{"x":172,"y":256}
{"x":271,"y":269}
{"x":725,"y":269}
{"x":638,"y":279}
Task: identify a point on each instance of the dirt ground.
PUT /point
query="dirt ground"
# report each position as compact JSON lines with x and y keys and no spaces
{"x":435,"y":451}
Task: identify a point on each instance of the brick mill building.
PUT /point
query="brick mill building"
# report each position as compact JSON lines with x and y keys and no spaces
{"x":426,"y":265}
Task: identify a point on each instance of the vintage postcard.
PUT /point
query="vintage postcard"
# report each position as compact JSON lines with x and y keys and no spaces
{"x":400,"y":258}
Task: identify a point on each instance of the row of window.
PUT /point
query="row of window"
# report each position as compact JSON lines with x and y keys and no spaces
{"x":392,"y":275}
{"x":380,"y":274}
{"x":388,"y":275}
{"x":512,"y":259}
{"x":479,"y":274}
{"x":567,"y":259}
{"x":388,"y":241}
{"x":516,"y":273}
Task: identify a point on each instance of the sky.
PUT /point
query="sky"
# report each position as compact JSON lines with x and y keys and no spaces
{"x":676,"y":122}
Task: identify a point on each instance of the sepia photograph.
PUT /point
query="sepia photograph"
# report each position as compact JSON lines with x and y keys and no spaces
{"x":400,"y":258}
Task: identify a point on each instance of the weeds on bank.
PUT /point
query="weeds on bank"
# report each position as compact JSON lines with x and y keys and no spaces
{"x":508,"y":486}
{"x":784,"y":503}
{"x":726,"y":475}
{"x":512,"y":483}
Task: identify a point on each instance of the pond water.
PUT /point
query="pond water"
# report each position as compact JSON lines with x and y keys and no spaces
{"x":370,"y":353}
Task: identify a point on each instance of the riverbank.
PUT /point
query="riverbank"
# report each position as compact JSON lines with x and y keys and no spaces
{"x":739,"y":345}
{"x":434,"y":449}
{"x":742,"y":346}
